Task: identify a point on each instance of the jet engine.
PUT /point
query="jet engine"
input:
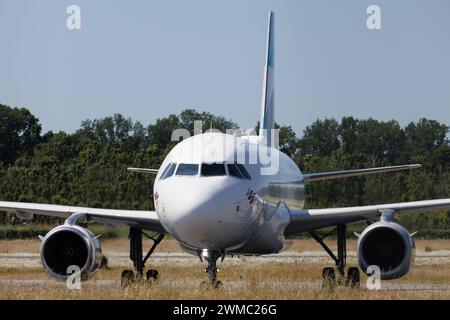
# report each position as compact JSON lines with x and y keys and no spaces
{"x":67,"y":247}
{"x":387,"y":245}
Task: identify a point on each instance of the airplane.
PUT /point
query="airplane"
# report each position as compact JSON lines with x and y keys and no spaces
{"x":215,"y":203}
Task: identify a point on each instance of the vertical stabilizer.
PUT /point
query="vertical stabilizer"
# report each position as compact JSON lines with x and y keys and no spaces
{"x":267,"y":122}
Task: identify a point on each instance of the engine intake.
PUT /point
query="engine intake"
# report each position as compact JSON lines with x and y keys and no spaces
{"x":387,"y":245}
{"x":70,"y":245}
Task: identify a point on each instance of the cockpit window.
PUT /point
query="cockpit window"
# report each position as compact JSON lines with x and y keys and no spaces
{"x":234,"y":171}
{"x":185,"y":169}
{"x":243,"y":171}
{"x":214,"y":169}
{"x":168,"y":171}
{"x":165,"y":171}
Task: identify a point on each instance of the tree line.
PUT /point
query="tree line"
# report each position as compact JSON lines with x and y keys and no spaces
{"x":88,"y":167}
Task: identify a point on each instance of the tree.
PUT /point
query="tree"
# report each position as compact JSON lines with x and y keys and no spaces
{"x":189,"y":116}
{"x":114,"y":130}
{"x":288,"y":141}
{"x":381,"y":142}
{"x":88,"y":167}
{"x":320,"y":139}
{"x":426,"y":135}
{"x":19,"y":133}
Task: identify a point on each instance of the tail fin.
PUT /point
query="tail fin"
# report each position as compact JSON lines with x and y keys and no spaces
{"x":267,"y":122}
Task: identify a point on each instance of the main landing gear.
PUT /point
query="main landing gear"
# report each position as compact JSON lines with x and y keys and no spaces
{"x":329,"y":277}
{"x":128,"y":276}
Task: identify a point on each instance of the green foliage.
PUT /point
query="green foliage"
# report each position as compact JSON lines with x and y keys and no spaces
{"x":22,"y":232}
{"x":371,"y":143}
{"x":34,"y":231}
{"x":19,"y":133}
{"x":88,"y":167}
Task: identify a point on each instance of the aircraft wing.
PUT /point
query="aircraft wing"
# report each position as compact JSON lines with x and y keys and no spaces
{"x":143,"y":170}
{"x":147,"y":220}
{"x":306,"y":220}
{"x":358,"y":172}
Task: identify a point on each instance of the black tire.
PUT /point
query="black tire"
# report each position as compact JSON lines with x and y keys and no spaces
{"x":329,"y":278}
{"x":217,"y":284}
{"x":328,"y":273}
{"x":208,"y":284}
{"x":104,"y":263}
{"x":353,"y":277}
{"x":127,"y":278}
{"x":152,"y":274}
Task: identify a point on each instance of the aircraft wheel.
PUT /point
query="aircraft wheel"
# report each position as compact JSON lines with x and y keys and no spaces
{"x":104,"y":263}
{"x":127,"y":278}
{"x":329,"y":278}
{"x":152,"y":274}
{"x":353,"y":277}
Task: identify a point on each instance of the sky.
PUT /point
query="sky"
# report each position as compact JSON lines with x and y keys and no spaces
{"x":148,"y":59}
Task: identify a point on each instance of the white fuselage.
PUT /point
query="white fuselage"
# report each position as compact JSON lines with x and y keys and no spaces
{"x":225,"y":212}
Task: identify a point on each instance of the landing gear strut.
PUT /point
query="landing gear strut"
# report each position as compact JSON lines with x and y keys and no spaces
{"x":211,"y":269}
{"x":353,"y":278}
{"x":128,"y":276}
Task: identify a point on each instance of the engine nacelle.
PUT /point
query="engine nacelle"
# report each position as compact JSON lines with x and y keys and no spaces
{"x":387,"y":245}
{"x":70,"y":245}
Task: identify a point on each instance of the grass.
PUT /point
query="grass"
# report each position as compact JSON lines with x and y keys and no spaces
{"x":251,"y":292}
{"x":122,"y":245}
{"x":252,"y":277}
{"x":243,"y":280}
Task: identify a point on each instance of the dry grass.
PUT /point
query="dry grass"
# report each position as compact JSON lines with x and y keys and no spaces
{"x":244,"y":282}
{"x":122,"y":245}
{"x":251,"y":292}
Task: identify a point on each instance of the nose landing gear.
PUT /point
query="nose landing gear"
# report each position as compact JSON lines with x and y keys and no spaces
{"x":212,"y":257}
{"x":128,"y":276}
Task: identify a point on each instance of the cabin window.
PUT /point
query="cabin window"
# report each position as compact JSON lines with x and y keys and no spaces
{"x":214,"y":169}
{"x":168,"y":171}
{"x":243,"y":171}
{"x":187,"y":169}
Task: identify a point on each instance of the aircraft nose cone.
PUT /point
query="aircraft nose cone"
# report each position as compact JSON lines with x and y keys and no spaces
{"x":205,"y":217}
